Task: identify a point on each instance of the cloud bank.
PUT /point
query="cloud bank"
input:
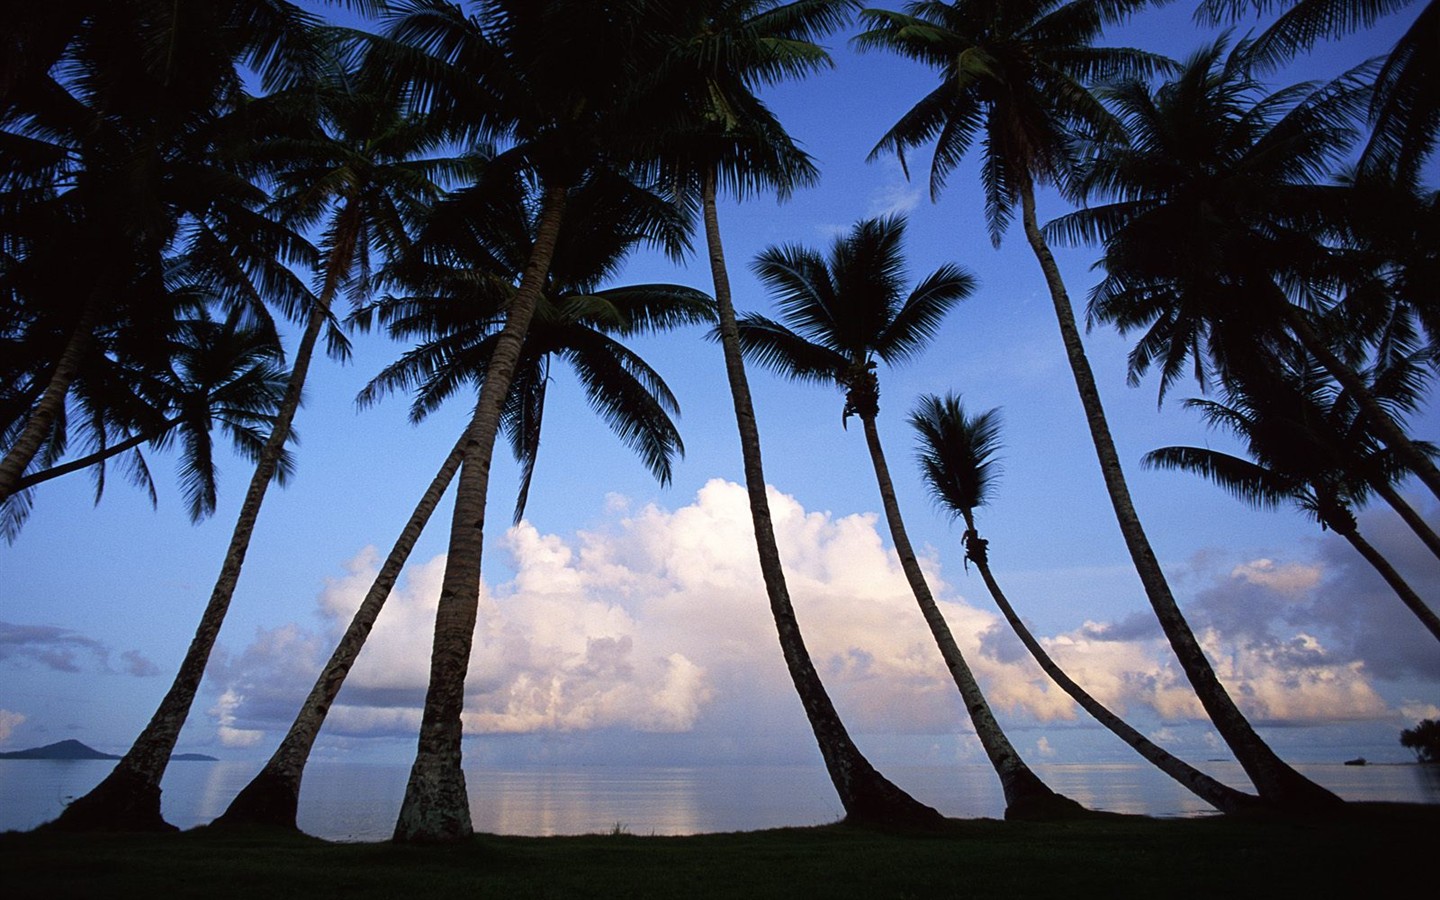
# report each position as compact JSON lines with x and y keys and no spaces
{"x":657,"y":622}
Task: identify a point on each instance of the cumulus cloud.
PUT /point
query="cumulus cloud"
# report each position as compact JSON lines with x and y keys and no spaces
{"x":8,"y":723}
{"x":64,"y":650}
{"x":658,"y":621}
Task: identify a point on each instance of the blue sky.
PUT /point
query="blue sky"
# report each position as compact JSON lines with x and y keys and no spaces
{"x":624,"y":622}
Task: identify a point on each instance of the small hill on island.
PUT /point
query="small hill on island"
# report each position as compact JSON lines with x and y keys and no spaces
{"x":73,"y":749}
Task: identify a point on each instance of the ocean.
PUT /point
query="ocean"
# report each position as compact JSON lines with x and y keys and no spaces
{"x":359,"y":802}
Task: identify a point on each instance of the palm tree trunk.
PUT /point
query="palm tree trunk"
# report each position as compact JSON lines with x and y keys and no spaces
{"x":98,"y":456}
{"x":866,"y":795}
{"x":1221,"y":796}
{"x":273,"y":796}
{"x":52,"y":400}
{"x":1026,"y":796}
{"x":436,"y":807}
{"x":129,"y":797}
{"x":1275,"y":781}
{"x":1402,"y":588}
{"x":1407,"y":512}
{"x":1384,"y":426}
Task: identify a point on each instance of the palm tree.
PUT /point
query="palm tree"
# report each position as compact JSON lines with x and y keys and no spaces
{"x":958,"y":462}
{"x":1214,"y":231}
{"x":1404,"y":108}
{"x":455,"y":317}
{"x":1305,"y":448}
{"x":363,"y":182}
{"x":211,"y":374}
{"x":1015,"y":71}
{"x":509,"y":74}
{"x":840,"y":314}
{"x":716,"y":54}
{"x":117,"y":118}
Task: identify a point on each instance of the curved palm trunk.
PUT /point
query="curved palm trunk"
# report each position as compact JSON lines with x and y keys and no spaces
{"x":98,"y":456}
{"x":1221,"y":796}
{"x":129,"y":797}
{"x":1275,"y":781}
{"x":273,"y":796}
{"x":1384,"y":426}
{"x":1026,"y":796}
{"x":1407,"y":512}
{"x":52,"y":400}
{"x":436,"y":806}
{"x":1407,"y":595}
{"x":866,"y":794}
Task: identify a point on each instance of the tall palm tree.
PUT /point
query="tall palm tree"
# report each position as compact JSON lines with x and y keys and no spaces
{"x":213,"y":374}
{"x":1302,"y":450}
{"x":1404,"y":108}
{"x":551,"y":80}
{"x":958,"y":462}
{"x":1015,"y":72}
{"x":116,"y":120}
{"x":362,"y":180}
{"x":1214,"y":230}
{"x":842,"y":314}
{"x":715,"y":55}
{"x":454,"y":317}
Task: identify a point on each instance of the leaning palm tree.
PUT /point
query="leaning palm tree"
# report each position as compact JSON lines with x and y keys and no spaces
{"x":213,"y":375}
{"x":840,"y":315}
{"x":1404,"y":108}
{"x":361,"y":181}
{"x":117,"y":111}
{"x":511,"y":73}
{"x":715,"y":55}
{"x":1302,"y":450}
{"x":1215,"y":226}
{"x":958,"y":462}
{"x":1015,"y":73}
{"x":454,"y":315}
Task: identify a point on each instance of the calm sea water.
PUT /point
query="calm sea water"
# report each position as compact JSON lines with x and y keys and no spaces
{"x":351,"y":802}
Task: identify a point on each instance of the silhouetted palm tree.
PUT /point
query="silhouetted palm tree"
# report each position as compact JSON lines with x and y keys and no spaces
{"x":1015,"y":72}
{"x":550,"y":80}
{"x":715,"y":55}
{"x":1405,"y":106}
{"x":358,"y":180}
{"x":1304,"y":449}
{"x":1214,"y":233}
{"x":840,"y":315}
{"x":958,"y":462}
{"x":212,"y":375}
{"x":464,"y":273}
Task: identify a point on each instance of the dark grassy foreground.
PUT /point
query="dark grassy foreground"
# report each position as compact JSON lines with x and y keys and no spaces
{"x":1367,"y":854}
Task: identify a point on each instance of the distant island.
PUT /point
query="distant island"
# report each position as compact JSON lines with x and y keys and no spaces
{"x":76,"y":750}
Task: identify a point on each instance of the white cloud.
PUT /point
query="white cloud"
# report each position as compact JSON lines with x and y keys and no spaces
{"x":9,"y":721}
{"x":658,"y":621}
{"x":1291,"y":578}
{"x":897,"y":195}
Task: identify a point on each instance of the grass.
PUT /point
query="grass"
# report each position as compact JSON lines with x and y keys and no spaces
{"x":1366,"y":854}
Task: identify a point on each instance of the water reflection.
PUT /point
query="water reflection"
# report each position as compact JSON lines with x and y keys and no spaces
{"x":357,"y":802}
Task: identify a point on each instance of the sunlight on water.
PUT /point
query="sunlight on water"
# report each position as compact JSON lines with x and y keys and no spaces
{"x":358,"y":802}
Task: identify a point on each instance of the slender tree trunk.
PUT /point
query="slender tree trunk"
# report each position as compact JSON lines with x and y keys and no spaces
{"x":52,"y":401}
{"x":273,"y":796}
{"x":1221,"y":796}
{"x":1383,"y":424}
{"x":1402,"y":588}
{"x":129,"y":797}
{"x":98,"y":456}
{"x":866,"y":794}
{"x":1026,"y":796}
{"x":436,"y":807}
{"x":1407,"y":512}
{"x":1275,"y":781}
